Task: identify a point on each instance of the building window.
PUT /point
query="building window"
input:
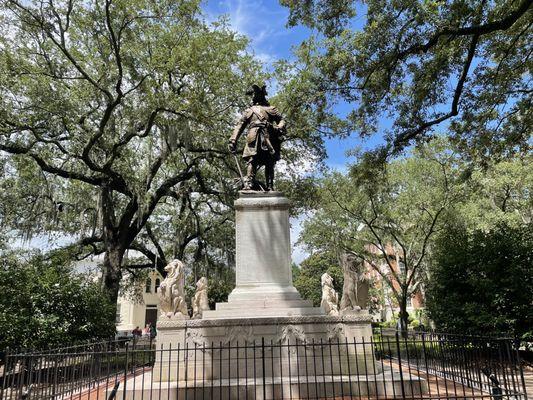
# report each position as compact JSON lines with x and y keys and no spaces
{"x":409,"y":302}
{"x":157,"y":283}
{"x":148,"y":285}
{"x":117,"y":315}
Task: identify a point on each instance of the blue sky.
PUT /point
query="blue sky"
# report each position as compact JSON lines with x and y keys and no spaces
{"x":264,"y":23}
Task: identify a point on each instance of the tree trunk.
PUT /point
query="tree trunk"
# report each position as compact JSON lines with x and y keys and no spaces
{"x":114,"y":252}
{"x":112,"y":272}
{"x":404,"y":316}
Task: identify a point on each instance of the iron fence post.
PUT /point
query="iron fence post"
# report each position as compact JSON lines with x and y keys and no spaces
{"x":400,"y":363}
{"x":54,"y":386}
{"x":425,"y":361}
{"x":497,"y":393}
{"x":263,"y":362}
{"x":521,"y":370}
{"x":6,"y":370}
{"x":125,"y":373}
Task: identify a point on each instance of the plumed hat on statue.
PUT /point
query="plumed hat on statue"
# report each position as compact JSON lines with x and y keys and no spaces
{"x":258,"y":94}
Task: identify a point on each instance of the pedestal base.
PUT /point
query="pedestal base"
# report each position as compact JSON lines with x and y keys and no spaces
{"x":383,"y":385}
{"x":266,"y":341}
{"x":233,"y":348}
{"x":269,"y":358}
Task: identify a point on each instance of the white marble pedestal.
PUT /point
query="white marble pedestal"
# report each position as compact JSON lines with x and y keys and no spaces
{"x":250,"y":339}
{"x":263,"y":275}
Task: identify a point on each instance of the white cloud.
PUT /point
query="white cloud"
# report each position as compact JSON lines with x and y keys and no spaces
{"x":259,"y":21}
{"x":43,"y":242}
{"x":265,"y":58}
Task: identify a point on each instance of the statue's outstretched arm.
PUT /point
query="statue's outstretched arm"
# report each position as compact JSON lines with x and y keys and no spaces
{"x":238,"y":130}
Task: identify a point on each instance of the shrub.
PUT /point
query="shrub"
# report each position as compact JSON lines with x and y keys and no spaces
{"x":482,"y":282}
{"x":44,"y":303}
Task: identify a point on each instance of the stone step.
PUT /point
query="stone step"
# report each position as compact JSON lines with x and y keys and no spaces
{"x":263,"y":303}
{"x":264,"y":292}
{"x":301,"y":386}
{"x":262,"y":312}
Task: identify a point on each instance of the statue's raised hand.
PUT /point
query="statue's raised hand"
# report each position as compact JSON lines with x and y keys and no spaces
{"x":232,"y":147}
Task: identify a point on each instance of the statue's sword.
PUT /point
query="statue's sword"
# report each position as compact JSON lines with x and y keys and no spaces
{"x":239,"y":168}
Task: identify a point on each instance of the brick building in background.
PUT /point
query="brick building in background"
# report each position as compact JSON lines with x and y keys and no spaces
{"x":388,"y":308}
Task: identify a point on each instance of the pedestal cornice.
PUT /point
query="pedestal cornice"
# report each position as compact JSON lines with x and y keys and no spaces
{"x":364,"y":318}
{"x":261,"y":200}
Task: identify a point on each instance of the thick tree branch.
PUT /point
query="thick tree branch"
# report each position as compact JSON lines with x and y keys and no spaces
{"x":127,"y":138}
{"x":90,"y":241}
{"x":115,"y":44}
{"x":474,"y":30}
{"x":45,"y":166}
{"x":155,"y":242}
{"x":164,"y":189}
{"x":138,"y":266}
{"x":156,"y":262}
{"x":404,"y":138}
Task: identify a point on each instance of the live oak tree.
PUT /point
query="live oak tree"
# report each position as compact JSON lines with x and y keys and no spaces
{"x":387,"y":218}
{"x":113,"y":130}
{"x":462,"y":65}
{"x":112,"y":111}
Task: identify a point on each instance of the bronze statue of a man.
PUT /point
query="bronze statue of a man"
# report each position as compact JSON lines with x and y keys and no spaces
{"x":266,"y":129}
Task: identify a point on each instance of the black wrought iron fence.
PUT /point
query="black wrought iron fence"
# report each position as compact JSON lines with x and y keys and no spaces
{"x":57,"y":372}
{"x":470,"y":364}
{"x":424,"y":366}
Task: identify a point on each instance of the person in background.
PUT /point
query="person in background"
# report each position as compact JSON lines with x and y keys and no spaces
{"x":136,"y":332}
{"x":146,"y":330}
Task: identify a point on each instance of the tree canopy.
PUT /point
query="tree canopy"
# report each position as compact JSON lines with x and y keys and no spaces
{"x":386,"y":218}
{"x":116,"y":114}
{"x":463,"y":65}
{"x":498,"y":193}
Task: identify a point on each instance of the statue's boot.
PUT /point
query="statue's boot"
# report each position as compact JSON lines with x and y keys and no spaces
{"x":269,"y":175}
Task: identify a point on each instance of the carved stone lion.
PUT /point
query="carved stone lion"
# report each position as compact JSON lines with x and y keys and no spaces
{"x":200,"y":302}
{"x":171,"y":292}
{"x":356,"y":284}
{"x":330,"y":299}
